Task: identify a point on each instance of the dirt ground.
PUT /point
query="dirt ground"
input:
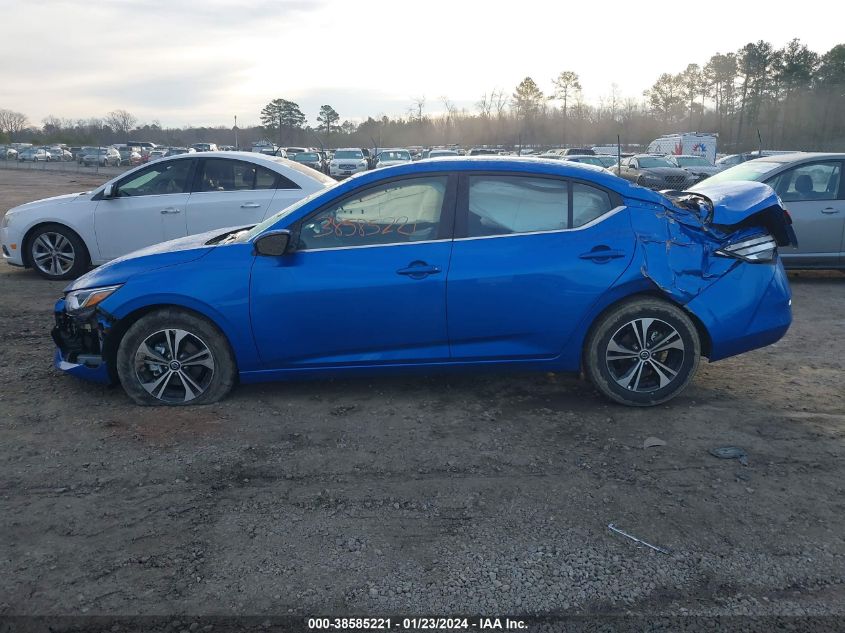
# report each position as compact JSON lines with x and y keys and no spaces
{"x":439,"y":494}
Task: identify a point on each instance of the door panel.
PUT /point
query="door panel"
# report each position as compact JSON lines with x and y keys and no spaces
{"x":367,"y":284}
{"x":350,"y":306}
{"x":521,"y":296}
{"x":124,"y":225}
{"x":208,"y":210}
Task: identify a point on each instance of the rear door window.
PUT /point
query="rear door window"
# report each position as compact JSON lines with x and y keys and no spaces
{"x":505,"y":205}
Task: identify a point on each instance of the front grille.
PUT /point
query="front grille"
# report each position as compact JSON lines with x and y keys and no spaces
{"x":347,"y":166}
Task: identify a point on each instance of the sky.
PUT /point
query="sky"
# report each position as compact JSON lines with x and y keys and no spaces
{"x":204,"y":62}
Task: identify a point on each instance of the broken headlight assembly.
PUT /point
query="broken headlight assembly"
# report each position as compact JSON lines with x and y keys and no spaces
{"x":87,"y":298}
{"x":758,"y":249}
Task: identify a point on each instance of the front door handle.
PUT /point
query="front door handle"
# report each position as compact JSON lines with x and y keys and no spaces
{"x":250,"y":205}
{"x":170,"y":210}
{"x":602,"y":254}
{"x":418,"y":270}
{"x":829,"y":210}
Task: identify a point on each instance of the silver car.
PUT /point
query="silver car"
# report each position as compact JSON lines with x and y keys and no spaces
{"x":813,"y":192}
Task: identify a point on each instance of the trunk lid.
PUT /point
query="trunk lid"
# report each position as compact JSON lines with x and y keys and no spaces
{"x":730,"y":206}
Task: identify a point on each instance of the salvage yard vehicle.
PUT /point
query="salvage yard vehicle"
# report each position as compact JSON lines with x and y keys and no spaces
{"x":347,"y":161}
{"x":444,"y":264}
{"x":812,"y":188}
{"x":697,"y":166}
{"x":391,"y":157}
{"x":654,"y":172}
{"x":35,"y":155}
{"x":102,"y":156}
{"x":172,"y":197}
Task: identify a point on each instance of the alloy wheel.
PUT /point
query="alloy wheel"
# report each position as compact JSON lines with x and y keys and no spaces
{"x":645,"y":355}
{"x":53,"y":253}
{"x":174,"y":365}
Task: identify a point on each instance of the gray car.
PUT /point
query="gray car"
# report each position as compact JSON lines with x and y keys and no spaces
{"x":654,"y":172}
{"x":698,"y":166}
{"x":813,"y":192}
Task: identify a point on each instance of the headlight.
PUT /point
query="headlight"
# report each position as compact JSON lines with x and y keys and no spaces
{"x":363,"y":163}
{"x":88,"y":298}
{"x":4,"y":221}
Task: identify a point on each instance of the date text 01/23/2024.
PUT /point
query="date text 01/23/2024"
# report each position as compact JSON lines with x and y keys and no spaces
{"x":415,"y":624}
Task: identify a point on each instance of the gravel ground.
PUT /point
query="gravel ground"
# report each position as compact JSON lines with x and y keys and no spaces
{"x":440,"y":494}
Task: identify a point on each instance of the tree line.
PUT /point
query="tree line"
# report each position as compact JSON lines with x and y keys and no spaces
{"x":759,"y":95}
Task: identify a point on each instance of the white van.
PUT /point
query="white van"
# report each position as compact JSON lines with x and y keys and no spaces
{"x":688,"y":143}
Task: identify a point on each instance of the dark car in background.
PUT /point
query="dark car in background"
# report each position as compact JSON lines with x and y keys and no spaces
{"x":311,"y":159}
{"x":697,"y":166}
{"x":654,"y":172}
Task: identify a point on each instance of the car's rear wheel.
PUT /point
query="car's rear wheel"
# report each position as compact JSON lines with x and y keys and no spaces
{"x":56,"y":252}
{"x":174,"y":357}
{"x":643,"y":352}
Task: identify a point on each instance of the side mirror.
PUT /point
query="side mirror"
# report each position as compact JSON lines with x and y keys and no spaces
{"x":108,"y":192}
{"x":273,"y":244}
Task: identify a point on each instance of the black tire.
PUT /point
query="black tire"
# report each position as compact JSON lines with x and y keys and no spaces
{"x":655,"y":368}
{"x":34,"y":248}
{"x":200,"y":332}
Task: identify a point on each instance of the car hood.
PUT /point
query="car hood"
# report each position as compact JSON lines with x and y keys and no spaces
{"x":701,"y":169}
{"x":174,"y":252}
{"x":735,"y":201}
{"x":55,"y":200}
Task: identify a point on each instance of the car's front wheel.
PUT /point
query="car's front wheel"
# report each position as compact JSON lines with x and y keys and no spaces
{"x":174,"y":357}
{"x":57,"y":253}
{"x":643,"y":352}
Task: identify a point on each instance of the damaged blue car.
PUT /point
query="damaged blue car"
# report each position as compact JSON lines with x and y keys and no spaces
{"x":453,"y":263}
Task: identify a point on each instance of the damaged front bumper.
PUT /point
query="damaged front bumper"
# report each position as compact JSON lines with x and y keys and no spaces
{"x":80,"y":340}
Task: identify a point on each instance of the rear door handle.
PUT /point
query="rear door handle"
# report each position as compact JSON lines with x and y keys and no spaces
{"x":829,"y":210}
{"x":250,"y":205}
{"x":169,"y":210}
{"x":418,"y":270}
{"x":601,"y":254}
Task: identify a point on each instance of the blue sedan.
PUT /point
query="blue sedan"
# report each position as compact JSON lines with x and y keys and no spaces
{"x":454,"y":263}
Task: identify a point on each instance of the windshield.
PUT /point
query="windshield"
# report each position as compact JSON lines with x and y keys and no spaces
{"x":394,"y":156}
{"x":647,"y":162}
{"x":246,"y":236}
{"x":444,"y":152}
{"x":690,"y":161}
{"x":308,"y":157}
{"x":751,"y":170}
{"x":348,"y":153}
{"x":607,"y":161}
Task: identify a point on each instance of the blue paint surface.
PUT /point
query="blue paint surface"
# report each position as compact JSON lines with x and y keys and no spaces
{"x":522,"y":301}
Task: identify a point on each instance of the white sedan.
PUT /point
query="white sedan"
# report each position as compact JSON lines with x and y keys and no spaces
{"x":61,"y":237}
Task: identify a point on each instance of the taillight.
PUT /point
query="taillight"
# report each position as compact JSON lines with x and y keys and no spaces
{"x":757,"y":249}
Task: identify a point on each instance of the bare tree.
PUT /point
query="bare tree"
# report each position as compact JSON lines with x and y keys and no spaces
{"x":12,"y":122}
{"x":121,"y":121}
{"x":418,"y":107}
{"x":484,"y":105}
{"x":500,"y":101}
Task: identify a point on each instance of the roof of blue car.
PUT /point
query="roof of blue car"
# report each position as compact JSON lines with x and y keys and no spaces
{"x":567,"y":169}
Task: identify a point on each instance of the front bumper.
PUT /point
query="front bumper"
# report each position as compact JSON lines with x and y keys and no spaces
{"x":80,"y":341}
{"x":748,"y":308}
{"x":337,"y":172}
{"x":13,"y":256}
